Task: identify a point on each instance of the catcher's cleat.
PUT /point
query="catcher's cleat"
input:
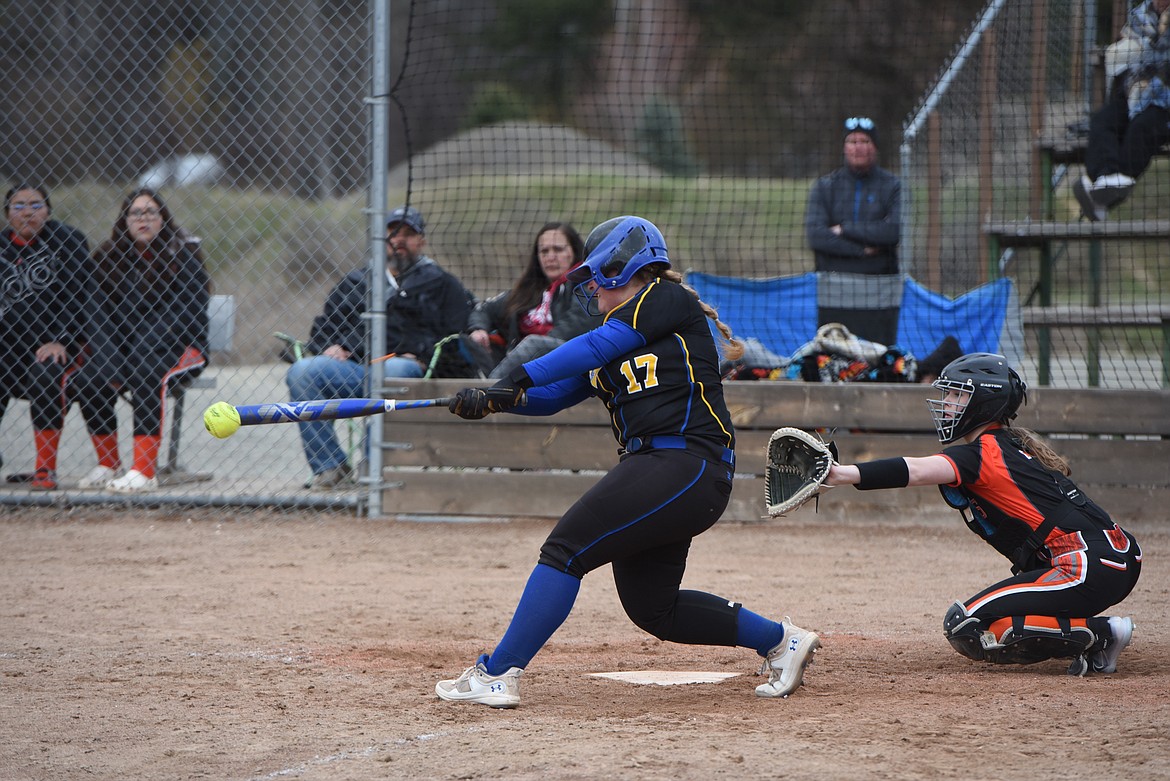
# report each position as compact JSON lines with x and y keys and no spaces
{"x":786,"y":662}
{"x":1078,"y":666}
{"x":1105,"y":660}
{"x":476,"y":685}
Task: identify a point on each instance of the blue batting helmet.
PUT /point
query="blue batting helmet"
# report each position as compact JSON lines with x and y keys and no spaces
{"x":616,"y":250}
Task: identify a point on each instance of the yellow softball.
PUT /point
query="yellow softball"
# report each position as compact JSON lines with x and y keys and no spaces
{"x":221,"y":420}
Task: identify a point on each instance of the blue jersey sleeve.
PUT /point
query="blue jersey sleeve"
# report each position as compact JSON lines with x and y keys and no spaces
{"x":551,"y":399}
{"x":582,"y":354}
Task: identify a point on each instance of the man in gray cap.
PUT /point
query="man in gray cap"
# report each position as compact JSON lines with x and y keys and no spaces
{"x":853,"y":227}
{"x":424,"y":304}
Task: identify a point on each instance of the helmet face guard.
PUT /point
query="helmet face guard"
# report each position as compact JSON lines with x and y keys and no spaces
{"x":977,"y":388}
{"x":946,"y":413}
{"x":615,"y":251}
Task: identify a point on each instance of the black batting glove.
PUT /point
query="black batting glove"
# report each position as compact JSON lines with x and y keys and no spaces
{"x":504,"y":397}
{"x":509,"y":393}
{"x":470,"y":404}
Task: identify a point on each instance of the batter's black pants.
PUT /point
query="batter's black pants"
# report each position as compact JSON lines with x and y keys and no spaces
{"x":641,"y":518}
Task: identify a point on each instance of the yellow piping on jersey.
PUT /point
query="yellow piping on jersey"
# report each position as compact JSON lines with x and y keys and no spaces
{"x":702,"y":388}
{"x":640,"y":295}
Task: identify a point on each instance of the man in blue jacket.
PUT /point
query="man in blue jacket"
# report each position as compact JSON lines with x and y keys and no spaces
{"x":424,"y":304}
{"x":853,"y":223}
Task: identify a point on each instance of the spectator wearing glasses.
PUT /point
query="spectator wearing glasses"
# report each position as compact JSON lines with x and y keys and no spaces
{"x":152,"y":292}
{"x":43,"y":290}
{"x":424,"y":304}
{"x":853,"y":224}
{"x":1134,"y":123}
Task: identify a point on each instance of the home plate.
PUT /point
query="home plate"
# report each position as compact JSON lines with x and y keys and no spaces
{"x":665,"y":677}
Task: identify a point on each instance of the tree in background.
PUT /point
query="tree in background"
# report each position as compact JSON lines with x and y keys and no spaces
{"x":548,"y":48}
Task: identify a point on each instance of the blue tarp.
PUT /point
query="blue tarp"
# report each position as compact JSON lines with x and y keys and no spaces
{"x":976,"y":318}
{"x":782,"y":312}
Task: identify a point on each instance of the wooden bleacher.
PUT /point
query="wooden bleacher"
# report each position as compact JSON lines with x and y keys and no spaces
{"x":515,"y":466}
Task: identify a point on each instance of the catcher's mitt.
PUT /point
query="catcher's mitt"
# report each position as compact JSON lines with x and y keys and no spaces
{"x":797,"y":465}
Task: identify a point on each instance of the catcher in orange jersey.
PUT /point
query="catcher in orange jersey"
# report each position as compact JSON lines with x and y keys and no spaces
{"x":1070,"y":561}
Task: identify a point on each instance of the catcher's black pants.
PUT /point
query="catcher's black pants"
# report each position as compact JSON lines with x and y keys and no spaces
{"x":641,"y":517}
{"x":1079,"y":584}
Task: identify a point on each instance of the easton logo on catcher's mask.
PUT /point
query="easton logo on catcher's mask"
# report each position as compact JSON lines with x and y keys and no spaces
{"x":987,"y":390}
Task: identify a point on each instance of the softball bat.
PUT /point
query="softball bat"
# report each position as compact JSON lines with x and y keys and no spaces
{"x":222,"y":419}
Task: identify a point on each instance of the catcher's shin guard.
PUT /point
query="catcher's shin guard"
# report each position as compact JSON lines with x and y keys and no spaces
{"x":1031,"y":639}
{"x":963,"y":632}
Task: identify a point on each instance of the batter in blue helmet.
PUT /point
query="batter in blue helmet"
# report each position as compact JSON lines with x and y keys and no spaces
{"x":654,"y":363}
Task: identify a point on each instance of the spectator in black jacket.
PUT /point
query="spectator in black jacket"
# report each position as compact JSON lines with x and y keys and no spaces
{"x":150,"y":308}
{"x":43,"y":288}
{"x":424,"y":304}
{"x":1134,"y":123}
{"x":539,"y":312}
{"x":853,"y":226}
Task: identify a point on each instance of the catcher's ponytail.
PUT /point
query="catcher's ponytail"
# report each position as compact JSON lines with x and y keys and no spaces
{"x":1031,"y":443}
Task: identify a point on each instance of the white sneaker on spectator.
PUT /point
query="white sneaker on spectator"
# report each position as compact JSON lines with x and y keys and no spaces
{"x":787,"y":661}
{"x":1083,"y":190}
{"x":1105,"y":660}
{"x":1107,"y":181}
{"x":1111,"y":189}
{"x":133,"y":482}
{"x":98,"y":477}
{"x":333,"y":479}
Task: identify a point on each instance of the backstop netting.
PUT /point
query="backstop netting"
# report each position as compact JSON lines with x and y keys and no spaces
{"x":280,"y":134}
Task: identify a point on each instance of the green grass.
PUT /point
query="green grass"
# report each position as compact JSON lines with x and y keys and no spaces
{"x":280,"y":254}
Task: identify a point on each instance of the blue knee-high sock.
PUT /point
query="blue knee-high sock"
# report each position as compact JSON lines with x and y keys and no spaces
{"x":755,"y":631}
{"x":544,"y":606}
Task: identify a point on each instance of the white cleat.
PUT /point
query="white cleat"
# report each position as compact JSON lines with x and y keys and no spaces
{"x":787,"y":661}
{"x":1105,"y":660}
{"x":475,"y":685}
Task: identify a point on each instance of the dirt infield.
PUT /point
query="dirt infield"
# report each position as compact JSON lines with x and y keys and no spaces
{"x":254,"y":645}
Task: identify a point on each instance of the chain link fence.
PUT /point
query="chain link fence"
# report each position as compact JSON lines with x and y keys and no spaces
{"x":265,"y":129}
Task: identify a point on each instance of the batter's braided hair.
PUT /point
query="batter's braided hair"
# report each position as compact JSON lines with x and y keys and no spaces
{"x":730,"y":347}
